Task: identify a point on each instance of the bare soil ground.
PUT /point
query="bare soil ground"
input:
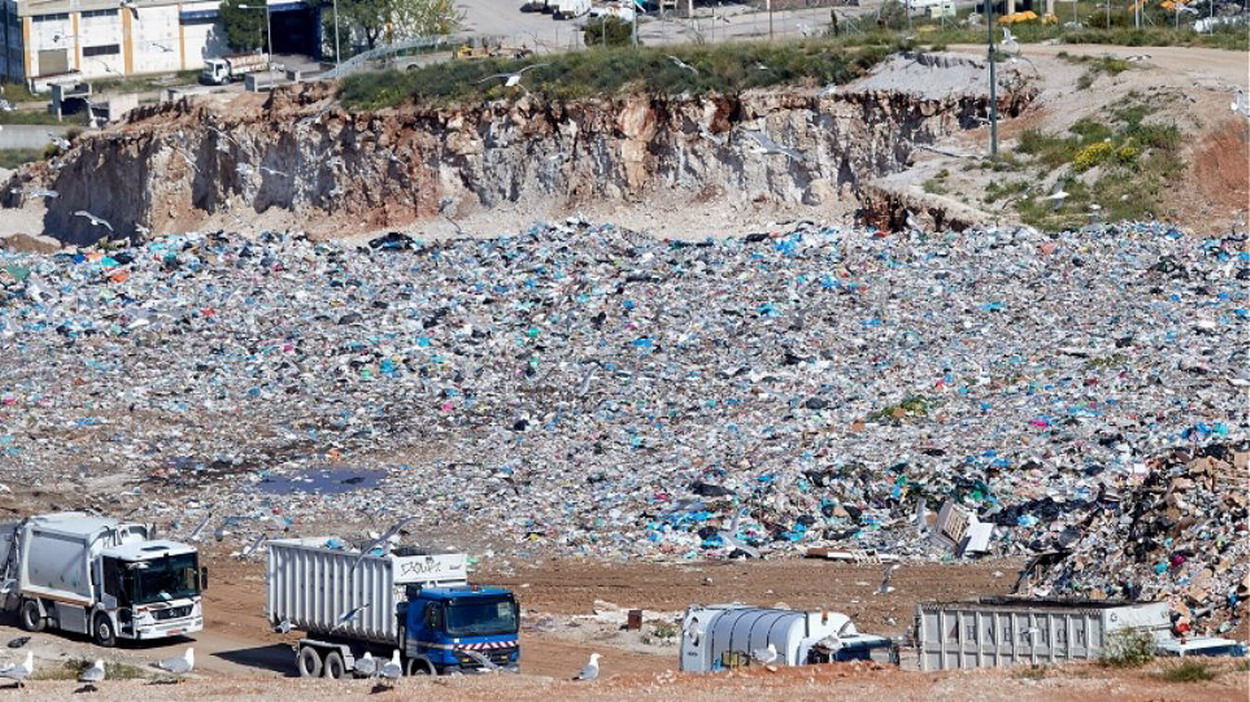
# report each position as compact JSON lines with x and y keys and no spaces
{"x":239,"y":658}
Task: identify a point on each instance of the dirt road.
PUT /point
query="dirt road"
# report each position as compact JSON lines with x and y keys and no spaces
{"x":239,"y":658}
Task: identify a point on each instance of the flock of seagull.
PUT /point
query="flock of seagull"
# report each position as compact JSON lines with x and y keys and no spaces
{"x":94,"y":674}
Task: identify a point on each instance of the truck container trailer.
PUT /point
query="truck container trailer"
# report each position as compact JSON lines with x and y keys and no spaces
{"x":1004,"y":631}
{"x":414,"y":601}
{"x":88,"y":574}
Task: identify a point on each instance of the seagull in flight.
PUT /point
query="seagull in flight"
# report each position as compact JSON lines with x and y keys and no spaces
{"x":768,"y":146}
{"x":682,"y":64}
{"x":1058,"y":194}
{"x":346,"y":617}
{"x":707,"y":134}
{"x":731,"y":538}
{"x":511,"y":80}
{"x":1010,"y":44}
{"x":885,"y":587}
{"x":273,"y":172}
{"x":385,"y":537}
{"x":95,"y":221}
{"x":195,"y":534}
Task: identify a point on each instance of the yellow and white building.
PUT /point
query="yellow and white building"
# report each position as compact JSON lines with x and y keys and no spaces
{"x":104,"y":38}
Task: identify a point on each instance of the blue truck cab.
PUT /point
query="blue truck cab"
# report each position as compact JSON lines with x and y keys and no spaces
{"x":442,"y":623}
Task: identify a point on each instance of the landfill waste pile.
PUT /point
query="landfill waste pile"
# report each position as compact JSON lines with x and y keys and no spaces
{"x":1177,"y":532}
{"x":583,"y":389}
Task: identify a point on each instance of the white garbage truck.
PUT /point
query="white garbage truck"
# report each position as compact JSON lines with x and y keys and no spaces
{"x":88,"y":574}
{"x":725,"y":636}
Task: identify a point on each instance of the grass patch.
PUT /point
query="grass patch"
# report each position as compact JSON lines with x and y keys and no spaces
{"x":1188,"y":670}
{"x":721,"y":68}
{"x":72,"y":668}
{"x":16,"y":92}
{"x":12,"y":158}
{"x":143,"y":84}
{"x":1033,"y":672}
{"x":1128,"y":648}
{"x":41,"y":117}
{"x":1118,"y":166}
{"x":912,"y":406}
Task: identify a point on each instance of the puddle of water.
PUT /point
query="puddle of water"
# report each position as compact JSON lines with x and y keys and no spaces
{"x":327,"y":481}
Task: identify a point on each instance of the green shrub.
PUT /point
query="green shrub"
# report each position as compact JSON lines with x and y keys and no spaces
{"x":1128,"y":648}
{"x":1188,"y":670}
{"x":719,"y":68}
{"x":608,"y":31}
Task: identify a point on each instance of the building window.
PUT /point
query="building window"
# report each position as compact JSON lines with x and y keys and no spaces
{"x":55,"y":17}
{"x":105,"y":50}
{"x":99,"y":13}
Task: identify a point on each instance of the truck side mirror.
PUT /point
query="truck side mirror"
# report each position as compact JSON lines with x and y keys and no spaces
{"x":203,"y":577}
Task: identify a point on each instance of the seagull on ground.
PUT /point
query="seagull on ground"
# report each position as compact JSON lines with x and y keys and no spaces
{"x":178,"y":665}
{"x":283,"y":627}
{"x":768,"y":146}
{"x":385,"y":537}
{"x":95,"y":221}
{"x":18,"y":672}
{"x":59,"y":142}
{"x":91,"y":675}
{"x":591,"y":670}
{"x":392,"y":670}
{"x":682,"y":64}
{"x":1239,"y":104}
{"x":511,"y":80}
{"x":367,"y":665}
{"x":766,"y":656}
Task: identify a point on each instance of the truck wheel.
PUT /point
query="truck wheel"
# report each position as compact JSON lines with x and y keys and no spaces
{"x":102,"y":631}
{"x":418,"y":666}
{"x":31,"y":618}
{"x":335,"y":668}
{"x":309,"y":662}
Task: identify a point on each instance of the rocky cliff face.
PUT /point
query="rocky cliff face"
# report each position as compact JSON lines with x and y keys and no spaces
{"x":173,"y":167}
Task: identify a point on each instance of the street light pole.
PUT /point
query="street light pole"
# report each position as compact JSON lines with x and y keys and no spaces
{"x":989,"y":28}
{"x":336,"y":33}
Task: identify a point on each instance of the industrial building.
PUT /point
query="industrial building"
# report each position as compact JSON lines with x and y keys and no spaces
{"x":44,"y":39}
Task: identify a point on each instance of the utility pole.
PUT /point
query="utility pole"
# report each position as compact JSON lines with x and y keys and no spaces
{"x":989,"y":27}
{"x":336,"y":33}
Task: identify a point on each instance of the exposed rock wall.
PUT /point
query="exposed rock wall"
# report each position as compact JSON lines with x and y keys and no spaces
{"x":173,"y":166}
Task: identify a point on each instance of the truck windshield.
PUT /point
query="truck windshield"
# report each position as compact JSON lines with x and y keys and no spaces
{"x":482,"y":617}
{"x":167,"y":578}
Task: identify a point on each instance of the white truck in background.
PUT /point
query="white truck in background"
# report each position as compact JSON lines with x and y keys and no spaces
{"x":93,"y":575}
{"x":725,"y":636}
{"x":228,"y":69}
{"x":569,"y":9}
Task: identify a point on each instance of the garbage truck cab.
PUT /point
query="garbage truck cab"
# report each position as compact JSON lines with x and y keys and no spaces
{"x":88,"y":574}
{"x":443,"y":622}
